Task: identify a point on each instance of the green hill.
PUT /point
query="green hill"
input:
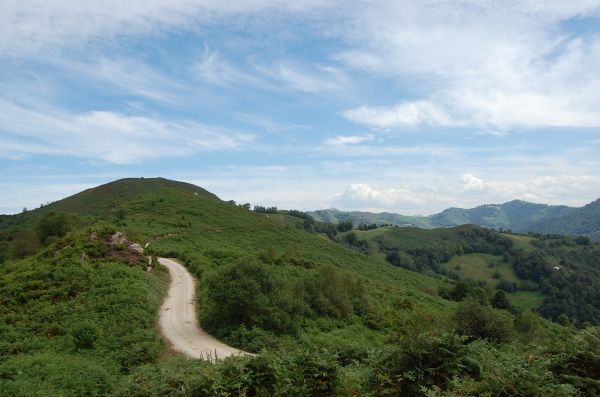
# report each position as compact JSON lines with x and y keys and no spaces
{"x":580,"y":221}
{"x":518,"y":216}
{"x":326,"y":314}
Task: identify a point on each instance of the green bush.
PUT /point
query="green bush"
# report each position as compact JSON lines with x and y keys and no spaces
{"x":54,"y":374}
{"x":527,"y":322}
{"x":476,"y":321}
{"x":85,"y":334}
{"x":24,"y":243}
{"x":507,"y":373}
{"x":248,"y":293}
{"x":576,"y":360}
{"x":53,"y":224}
{"x":423,"y":362}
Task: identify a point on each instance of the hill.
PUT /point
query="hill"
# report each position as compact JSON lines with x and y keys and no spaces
{"x":580,"y":221}
{"x":325,"y":314}
{"x":518,"y":216}
{"x":554,"y":274}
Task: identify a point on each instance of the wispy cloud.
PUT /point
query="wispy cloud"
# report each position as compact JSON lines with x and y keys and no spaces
{"x":405,"y":114}
{"x":314,"y":79}
{"x":214,"y":69}
{"x":341,"y":140}
{"x":109,"y":136}
{"x":483,"y":65}
{"x":36,"y":26}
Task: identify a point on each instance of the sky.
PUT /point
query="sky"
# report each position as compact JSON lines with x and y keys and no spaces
{"x":402,"y":106}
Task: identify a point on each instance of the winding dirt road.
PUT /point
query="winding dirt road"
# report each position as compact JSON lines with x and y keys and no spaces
{"x":179,"y":323}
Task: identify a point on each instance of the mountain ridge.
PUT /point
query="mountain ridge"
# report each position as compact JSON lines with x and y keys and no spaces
{"x":516,"y":215}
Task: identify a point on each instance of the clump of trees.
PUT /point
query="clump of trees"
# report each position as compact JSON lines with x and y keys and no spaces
{"x":265,"y":210}
{"x":257,"y":295}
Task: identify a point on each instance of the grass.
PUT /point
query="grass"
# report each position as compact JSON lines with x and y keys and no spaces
{"x":521,"y":241}
{"x":83,"y":329}
{"x":481,"y":267}
{"x":72,"y":328}
{"x":528,"y":300}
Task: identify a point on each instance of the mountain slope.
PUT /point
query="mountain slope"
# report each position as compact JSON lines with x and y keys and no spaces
{"x":516,"y":215}
{"x":325,"y":318}
{"x":519,"y":216}
{"x":580,"y":221}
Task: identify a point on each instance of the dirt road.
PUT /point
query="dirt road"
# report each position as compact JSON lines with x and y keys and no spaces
{"x":178,"y":320}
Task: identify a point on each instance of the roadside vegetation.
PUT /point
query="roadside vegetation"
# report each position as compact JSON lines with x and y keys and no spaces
{"x":376,"y":314}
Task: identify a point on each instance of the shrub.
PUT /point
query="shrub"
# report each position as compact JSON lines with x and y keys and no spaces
{"x":248,"y":293}
{"x":576,"y":360}
{"x":422,"y":362}
{"x":527,"y":322}
{"x":477,"y":321}
{"x":53,"y":224}
{"x":24,"y":243}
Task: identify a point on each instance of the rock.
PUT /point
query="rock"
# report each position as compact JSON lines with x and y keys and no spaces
{"x":136,"y":247}
{"x":118,"y":238}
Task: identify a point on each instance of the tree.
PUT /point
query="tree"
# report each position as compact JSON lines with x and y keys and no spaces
{"x":563,"y":320}
{"x":477,"y":321}
{"x":500,"y":301}
{"x":345,"y":226}
{"x":54,"y":224}
{"x":24,"y":243}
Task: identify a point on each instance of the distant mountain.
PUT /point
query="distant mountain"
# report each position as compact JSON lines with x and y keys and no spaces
{"x":357,"y":217}
{"x":579,"y":221}
{"x":517,"y":215}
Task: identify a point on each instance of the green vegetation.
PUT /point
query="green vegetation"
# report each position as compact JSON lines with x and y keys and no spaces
{"x":325,"y":312}
{"x":527,"y":300}
{"x":581,"y":221}
{"x":518,"y":216}
{"x":486,"y":267}
{"x":73,"y":326}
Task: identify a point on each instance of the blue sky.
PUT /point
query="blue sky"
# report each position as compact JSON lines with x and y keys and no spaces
{"x":403,"y":106}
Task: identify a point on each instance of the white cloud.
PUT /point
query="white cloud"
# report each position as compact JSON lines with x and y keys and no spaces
{"x":315,"y":79}
{"x":341,"y":140}
{"x":405,"y":114}
{"x":552,"y":189}
{"x":498,"y":65}
{"x":361,"y":195}
{"x":108,"y":136}
{"x":34,"y":26}
{"x":471,"y":182}
{"x":214,"y":69}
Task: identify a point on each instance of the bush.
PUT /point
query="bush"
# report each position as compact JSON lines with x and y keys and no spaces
{"x":500,"y":301}
{"x":423,"y":362}
{"x":52,"y":224}
{"x":527,"y":322}
{"x":463,"y":289}
{"x":576,"y":360}
{"x":54,"y":374}
{"x":24,"y":243}
{"x":85,"y":334}
{"x":248,"y":293}
{"x":508,"y":373}
{"x":477,"y":321}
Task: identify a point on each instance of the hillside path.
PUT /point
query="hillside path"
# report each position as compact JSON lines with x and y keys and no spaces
{"x":178,"y":320}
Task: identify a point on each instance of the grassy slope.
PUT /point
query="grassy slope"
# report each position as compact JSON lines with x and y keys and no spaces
{"x":476,"y":266}
{"x":69,"y":328}
{"x":208,"y":230}
{"x":185,"y":221}
{"x":122,"y":302}
{"x":481,"y":267}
